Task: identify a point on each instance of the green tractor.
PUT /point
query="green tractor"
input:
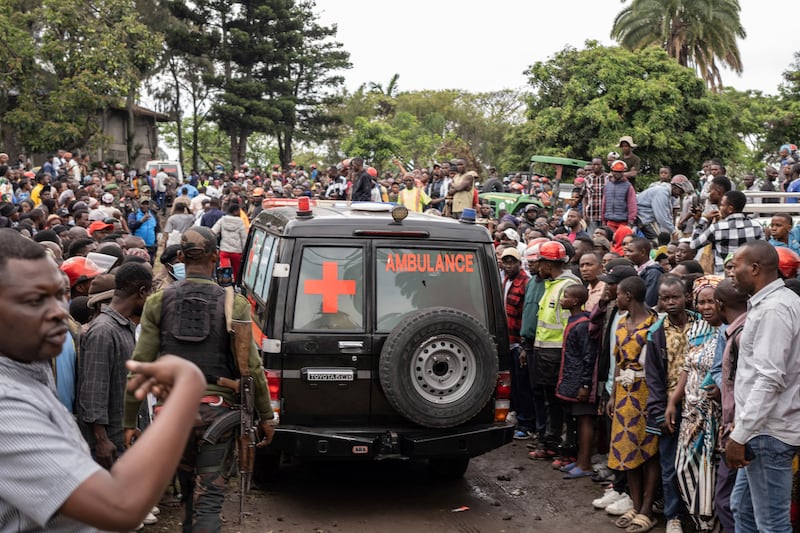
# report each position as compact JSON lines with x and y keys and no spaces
{"x":515,"y":204}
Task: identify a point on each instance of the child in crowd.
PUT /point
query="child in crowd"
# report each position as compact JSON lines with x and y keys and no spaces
{"x":633,"y":449}
{"x":577,"y":380}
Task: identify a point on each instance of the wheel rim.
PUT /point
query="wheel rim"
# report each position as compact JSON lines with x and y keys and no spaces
{"x":443,"y":369}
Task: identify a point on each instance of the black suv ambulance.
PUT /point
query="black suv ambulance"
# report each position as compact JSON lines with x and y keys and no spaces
{"x":383,"y":334}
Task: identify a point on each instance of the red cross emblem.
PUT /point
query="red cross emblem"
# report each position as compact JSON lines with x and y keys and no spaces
{"x":330,"y":287}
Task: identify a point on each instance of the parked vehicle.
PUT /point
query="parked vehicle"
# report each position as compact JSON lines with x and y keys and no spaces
{"x":383,"y":334}
{"x":172,"y":168}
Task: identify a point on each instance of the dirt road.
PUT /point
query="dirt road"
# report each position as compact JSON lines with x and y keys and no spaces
{"x":504,"y":491}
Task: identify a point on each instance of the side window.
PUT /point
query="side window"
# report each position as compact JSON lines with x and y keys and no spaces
{"x":259,"y":263}
{"x":412,"y":279}
{"x":330,"y":289}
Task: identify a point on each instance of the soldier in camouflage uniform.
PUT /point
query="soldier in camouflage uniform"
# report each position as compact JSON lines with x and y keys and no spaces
{"x":187,"y":319}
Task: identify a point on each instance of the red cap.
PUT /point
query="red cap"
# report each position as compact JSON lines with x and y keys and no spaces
{"x":99,"y":225}
{"x":372,"y":172}
{"x":80,"y":269}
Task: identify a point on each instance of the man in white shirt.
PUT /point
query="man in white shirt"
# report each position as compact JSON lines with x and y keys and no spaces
{"x":196,"y":205}
{"x":766,"y":434}
{"x":161,"y":189}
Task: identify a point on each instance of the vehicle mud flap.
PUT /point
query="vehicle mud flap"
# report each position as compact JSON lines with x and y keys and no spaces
{"x":438,"y":367}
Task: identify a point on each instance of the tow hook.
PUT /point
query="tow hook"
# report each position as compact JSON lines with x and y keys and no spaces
{"x":388,"y":445}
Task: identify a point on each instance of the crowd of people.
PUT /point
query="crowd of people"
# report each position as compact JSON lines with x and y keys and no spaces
{"x":654,"y":347}
{"x":652,"y":332}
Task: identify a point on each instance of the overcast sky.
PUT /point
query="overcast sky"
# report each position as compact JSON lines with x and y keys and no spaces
{"x":485,"y":46}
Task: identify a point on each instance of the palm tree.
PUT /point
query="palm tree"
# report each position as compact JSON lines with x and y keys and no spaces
{"x":391,"y":87}
{"x":700,"y":34}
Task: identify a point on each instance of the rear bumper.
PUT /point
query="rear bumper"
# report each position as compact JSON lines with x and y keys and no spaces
{"x":383,"y":443}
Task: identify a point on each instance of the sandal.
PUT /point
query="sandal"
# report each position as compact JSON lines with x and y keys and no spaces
{"x":640,"y":524}
{"x":542,"y":454}
{"x":626,"y":519}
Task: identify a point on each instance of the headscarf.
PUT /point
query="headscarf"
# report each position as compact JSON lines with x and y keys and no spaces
{"x":704,"y":282}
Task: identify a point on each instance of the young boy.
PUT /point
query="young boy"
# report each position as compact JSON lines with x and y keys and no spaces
{"x":577,"y":378}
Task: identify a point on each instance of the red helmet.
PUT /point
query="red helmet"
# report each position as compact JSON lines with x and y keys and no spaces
{"x":553,"y":251}
{"x":80,"y":269}
{"x":619,"y":166}
{"x":788,"y":261}
{"x":372,"y":172}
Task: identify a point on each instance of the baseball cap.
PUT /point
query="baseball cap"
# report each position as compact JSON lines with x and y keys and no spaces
{"x":510,"y":252}
{"x":198,"y":242}
{"x":99,"y":225}
{"x":101,"y":290}
{"x":532,"y":251}
{"x":512,"y":234}
{"x":79,"y":269}
{"x":602,"y":242}
{"x":619,"y":166}
{"x":107,"y":198}
{"x":618,"y":273}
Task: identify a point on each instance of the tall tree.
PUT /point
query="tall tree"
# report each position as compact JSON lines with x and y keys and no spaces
{"x":697,"y":33}
{"x":313,"y":72}
{"x":258,"y":37}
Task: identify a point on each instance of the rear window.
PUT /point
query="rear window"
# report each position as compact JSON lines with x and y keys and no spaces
{"x":330,"y":289}
{"x":410,"y":279}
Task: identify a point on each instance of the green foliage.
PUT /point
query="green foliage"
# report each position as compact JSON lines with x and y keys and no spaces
{"x":86,"y":57}
{"x":375,"y":141}
{"x":584,"y":101}
{"x":436,"y":125}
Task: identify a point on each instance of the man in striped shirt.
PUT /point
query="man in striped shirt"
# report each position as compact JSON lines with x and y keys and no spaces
{"x":593,"y":202}
{"x":49,"y":481}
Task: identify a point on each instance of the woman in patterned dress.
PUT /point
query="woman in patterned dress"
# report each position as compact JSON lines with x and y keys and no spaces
{"x":697,"y":437}
{"x":633,"y":449}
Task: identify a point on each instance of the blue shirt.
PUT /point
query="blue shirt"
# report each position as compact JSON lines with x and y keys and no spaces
{"x":655,"y":205}
{"x":65,"y":374}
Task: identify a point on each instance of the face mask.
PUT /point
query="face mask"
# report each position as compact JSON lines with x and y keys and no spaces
{"x":179,"y":271}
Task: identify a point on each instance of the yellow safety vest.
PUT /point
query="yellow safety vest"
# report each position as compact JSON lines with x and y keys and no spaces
{"x":552,"y":318}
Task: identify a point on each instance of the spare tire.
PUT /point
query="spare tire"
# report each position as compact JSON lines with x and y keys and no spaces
{"x":493,"y":185}
{"x":438,"y":367}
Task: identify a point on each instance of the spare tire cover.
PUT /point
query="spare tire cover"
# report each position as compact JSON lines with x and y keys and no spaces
{"x":438,"y":367}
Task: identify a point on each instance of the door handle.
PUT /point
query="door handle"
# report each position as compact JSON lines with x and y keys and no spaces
{"x":351,"y":345}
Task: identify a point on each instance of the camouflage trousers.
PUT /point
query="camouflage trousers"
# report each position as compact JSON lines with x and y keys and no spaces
{"x":203,"y":474}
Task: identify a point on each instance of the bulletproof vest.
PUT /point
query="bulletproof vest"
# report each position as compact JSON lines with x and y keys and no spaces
{"x":193,"y":327}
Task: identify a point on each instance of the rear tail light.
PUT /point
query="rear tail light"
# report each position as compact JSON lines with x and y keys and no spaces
{"x":274,"y":386}
{"x":502,"y":395}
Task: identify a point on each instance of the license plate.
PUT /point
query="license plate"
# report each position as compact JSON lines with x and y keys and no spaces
{"x":330,"y":375}
{"x":360,"y":450}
